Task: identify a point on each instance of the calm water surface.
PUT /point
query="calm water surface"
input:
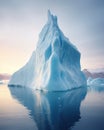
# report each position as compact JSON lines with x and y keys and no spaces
{"x":26,"y":109}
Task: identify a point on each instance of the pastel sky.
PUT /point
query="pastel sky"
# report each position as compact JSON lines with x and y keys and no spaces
{"x":21,"y":21}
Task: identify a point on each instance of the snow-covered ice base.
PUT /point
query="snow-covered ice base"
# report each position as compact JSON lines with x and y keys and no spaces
{"x":54,"y":65}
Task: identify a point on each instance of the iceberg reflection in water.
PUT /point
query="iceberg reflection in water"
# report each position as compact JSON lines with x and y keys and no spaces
{"x":51,"y":110}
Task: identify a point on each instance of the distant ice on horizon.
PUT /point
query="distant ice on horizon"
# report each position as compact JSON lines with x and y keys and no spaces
{"x":95,"y":81}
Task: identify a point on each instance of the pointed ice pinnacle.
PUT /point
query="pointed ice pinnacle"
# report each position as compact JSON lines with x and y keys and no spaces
{"x":49,"y":15}
{"x":52,"y":19}
{"x":55,"y":65}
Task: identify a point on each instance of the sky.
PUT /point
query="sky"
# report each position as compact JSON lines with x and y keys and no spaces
{"x":21,"y":21}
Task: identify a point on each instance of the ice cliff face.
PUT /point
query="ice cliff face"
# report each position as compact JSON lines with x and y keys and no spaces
{"x":55,"y":65}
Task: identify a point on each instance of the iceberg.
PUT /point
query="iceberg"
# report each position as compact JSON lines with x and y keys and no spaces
{"x":95,"y":81}
{"x":54,"y":65}
{"x":95,"y":84}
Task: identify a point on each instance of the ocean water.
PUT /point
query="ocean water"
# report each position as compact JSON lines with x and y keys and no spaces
{"x":26,"y":109}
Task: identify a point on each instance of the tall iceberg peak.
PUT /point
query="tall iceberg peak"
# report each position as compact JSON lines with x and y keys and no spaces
{"x":54,"y":65}
{"x":52,"y":19}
